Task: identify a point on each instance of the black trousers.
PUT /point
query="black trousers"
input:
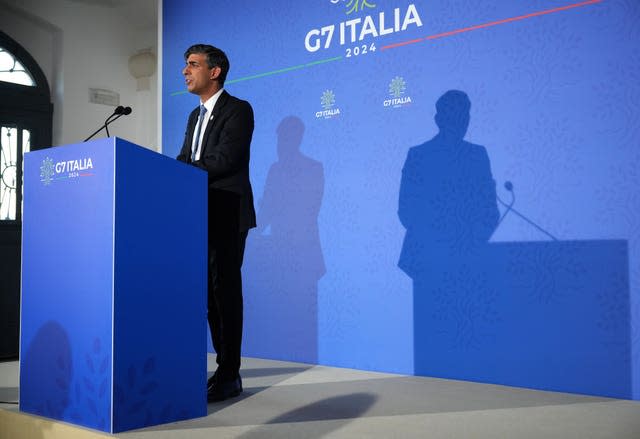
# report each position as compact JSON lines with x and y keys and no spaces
{"x":225,"y":305}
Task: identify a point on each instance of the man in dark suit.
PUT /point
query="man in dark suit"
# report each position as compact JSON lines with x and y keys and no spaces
{"x":217,"y":140}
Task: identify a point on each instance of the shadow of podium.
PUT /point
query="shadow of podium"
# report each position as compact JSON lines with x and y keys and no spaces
{"x":543,"y":315}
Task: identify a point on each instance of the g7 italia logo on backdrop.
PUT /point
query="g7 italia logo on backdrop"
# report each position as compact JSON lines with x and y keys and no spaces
{"x":328,"y":102}
{"x":397,"y":94}
{"x":50,"y":171}
{"x":360,"y":32}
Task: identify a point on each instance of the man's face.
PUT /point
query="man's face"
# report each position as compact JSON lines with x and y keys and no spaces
{"x":200,"y":79}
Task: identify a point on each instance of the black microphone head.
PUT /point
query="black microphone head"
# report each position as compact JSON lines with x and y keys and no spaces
{"x":126,"y":111}
{"x":508,"y":186}
{"x":119,"y":110}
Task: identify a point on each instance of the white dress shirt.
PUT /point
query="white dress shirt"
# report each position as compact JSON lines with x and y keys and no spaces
{"x":209,"y":104}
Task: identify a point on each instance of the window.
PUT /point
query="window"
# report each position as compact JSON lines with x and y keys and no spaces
{"x":12,"y":70}
{"x":25,"y":122}
{"x":12,"y":140}
{"x":25,"y":125}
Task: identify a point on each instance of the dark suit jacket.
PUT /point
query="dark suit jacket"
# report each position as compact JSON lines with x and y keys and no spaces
{"x":225,"y":157}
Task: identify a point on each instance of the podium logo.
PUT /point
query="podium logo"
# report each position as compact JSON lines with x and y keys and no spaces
{"x":50,"y":171}
{"x":397,"y":98}
{"x":328,"y":101}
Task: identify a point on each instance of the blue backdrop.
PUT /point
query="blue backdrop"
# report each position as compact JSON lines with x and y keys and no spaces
{"x":381,"y":242}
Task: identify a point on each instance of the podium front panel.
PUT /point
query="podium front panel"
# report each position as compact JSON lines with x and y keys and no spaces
{"x":67,"y":284}
{"x":114,"y":275}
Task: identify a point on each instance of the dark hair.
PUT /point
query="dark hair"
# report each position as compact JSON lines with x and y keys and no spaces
{"x":215,"y":58}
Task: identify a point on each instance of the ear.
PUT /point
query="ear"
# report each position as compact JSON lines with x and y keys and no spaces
{"x":215,"y":73}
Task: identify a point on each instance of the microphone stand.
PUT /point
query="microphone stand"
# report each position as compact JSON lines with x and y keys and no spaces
{"x":508,"y":186}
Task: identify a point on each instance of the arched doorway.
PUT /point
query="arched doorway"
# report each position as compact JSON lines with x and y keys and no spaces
{"x":25,"y":125}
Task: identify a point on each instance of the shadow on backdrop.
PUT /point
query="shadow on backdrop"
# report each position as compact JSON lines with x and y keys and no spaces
{"x":546,"y":315}
{"x":284,"y":256}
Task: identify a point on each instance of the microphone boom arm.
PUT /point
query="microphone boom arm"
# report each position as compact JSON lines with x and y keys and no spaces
{"x":509,"y":186}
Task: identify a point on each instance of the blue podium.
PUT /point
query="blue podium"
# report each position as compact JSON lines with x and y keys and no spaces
{"x":113,"y":318}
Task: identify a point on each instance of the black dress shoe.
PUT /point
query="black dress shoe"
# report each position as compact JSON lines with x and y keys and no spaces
{"x":212,"y":381}
{"x":219,"y":390}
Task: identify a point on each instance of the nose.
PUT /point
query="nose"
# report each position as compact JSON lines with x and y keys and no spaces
{"x":184,"y":71}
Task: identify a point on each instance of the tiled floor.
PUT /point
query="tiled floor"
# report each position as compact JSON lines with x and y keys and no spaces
{"x":293,"y":400}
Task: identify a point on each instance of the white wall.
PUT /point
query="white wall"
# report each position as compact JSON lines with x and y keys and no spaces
{"x":81,"y":45}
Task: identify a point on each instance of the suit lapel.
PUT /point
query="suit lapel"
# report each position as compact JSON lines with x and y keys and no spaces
{"x":193,"y":120}
{"x":213,"y":118}
{"x":191,"y":126}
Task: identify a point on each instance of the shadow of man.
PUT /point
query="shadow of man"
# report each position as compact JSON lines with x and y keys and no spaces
{"x":448,"y":206}
{"x":287,"y":249}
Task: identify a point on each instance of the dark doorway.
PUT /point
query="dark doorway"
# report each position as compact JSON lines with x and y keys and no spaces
{"x":25,"y":125}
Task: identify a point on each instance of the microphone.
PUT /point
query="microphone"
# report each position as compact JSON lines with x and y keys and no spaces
{"x":117,"y":113}
{"x":121,"y":111}
{"x":509,"y":187}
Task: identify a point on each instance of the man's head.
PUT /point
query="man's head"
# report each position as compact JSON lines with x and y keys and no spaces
{"x":452,"y":114}
{"x":290,"y":132}
{"x":206,"y":70}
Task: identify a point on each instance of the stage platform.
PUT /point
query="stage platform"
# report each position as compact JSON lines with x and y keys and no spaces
{"x":295,"y":400}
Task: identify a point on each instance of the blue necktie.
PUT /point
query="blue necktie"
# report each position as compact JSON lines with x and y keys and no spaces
{"x":203,"y":110}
